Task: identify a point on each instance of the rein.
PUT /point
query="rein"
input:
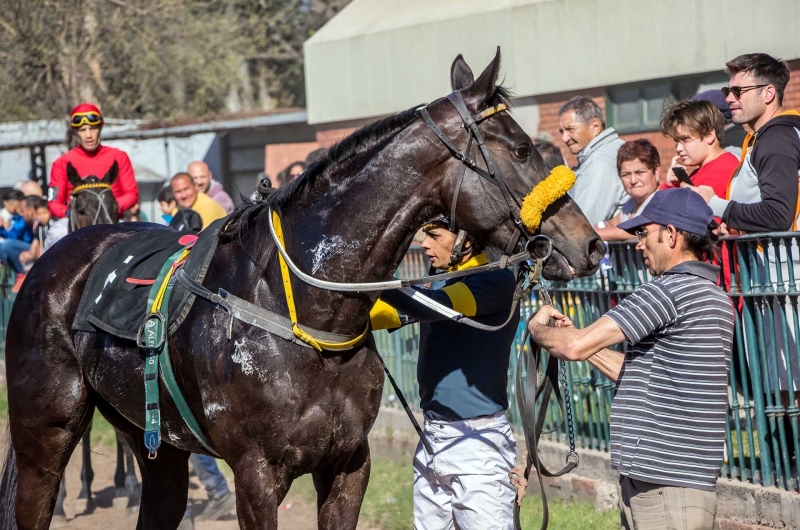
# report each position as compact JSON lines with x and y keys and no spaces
{"x":533,"y":416}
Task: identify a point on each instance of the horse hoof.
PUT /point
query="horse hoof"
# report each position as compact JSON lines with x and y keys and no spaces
{"x":119,"y":502}
{"x":84,"y":505}
{"x":58,"y":521}
{"x":133,"y":511}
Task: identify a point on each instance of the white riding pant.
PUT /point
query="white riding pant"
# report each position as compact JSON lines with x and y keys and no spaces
{"x":465,"y":483}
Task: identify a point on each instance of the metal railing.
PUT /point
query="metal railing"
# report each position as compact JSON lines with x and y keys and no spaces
{"x":762,"y":432}
{"x":7,"y":298}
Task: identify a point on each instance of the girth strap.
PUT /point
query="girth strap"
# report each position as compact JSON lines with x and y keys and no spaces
{"x":154,"y":342}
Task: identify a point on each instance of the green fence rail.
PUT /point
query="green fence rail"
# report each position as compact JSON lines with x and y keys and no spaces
{"x":762,"y":434}
{"x":7,"y":298}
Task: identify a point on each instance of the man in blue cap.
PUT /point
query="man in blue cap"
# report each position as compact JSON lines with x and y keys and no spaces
{"x":669,"y":409}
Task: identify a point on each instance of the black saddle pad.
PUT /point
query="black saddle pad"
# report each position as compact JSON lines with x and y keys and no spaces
{"x":116,"y":305}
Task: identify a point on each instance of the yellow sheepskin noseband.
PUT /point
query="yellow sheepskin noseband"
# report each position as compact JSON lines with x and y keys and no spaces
{"x":548,"y":191}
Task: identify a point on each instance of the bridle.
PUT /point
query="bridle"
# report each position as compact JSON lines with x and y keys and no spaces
{"x":490,"y":174}
{"x":97,"y":190}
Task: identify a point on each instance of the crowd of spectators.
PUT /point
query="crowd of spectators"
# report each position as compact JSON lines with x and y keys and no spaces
{"x":751,"y":186}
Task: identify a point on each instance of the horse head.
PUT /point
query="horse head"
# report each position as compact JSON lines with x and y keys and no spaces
{"x":92,"y":201}
{"x":483,"y":208}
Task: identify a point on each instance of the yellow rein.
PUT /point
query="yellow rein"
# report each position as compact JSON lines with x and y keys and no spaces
{"x":94,"y":185}
{"x":301,"y":334}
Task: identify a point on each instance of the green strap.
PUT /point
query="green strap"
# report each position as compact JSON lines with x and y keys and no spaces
{"x":153,"y":339}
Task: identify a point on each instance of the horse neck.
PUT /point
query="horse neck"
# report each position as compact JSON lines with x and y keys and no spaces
{"x":356,"y":227}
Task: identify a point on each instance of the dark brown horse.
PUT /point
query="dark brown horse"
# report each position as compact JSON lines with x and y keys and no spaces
{"x":273,"y":410}
{"x":93,"y":203}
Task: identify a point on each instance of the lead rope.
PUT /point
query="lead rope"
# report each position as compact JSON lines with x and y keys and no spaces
{"x":533,"y":417}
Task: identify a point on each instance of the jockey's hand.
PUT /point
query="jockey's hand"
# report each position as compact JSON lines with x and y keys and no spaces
{"x":543,"y":316}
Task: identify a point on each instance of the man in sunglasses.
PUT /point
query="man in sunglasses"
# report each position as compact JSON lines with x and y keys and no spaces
{"x":669,"y":410}
{"x":762,"y":195}
{"x":91,"y":158}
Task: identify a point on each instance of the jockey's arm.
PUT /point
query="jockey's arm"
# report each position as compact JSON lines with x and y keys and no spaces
{"x":475,"y":296}
{"x":58,"y":181}
{"x":130,"y":190}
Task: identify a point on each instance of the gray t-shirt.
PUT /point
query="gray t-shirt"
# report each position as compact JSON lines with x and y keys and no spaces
{"x":670,"y":404}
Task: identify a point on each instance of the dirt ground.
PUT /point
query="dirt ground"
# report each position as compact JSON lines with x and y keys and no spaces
{"x":296,"y":513}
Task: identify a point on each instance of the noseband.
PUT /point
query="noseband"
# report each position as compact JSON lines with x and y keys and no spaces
{"x":96,"y":189}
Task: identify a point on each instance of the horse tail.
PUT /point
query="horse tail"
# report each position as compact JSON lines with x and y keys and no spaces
{"x":8,"y":489}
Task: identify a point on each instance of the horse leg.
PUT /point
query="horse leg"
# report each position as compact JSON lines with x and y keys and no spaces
{"x":260,"y":488}
{"x":132,"y":487}
{"x":165,"y":480}
{"x":85,"y":503}
{"x":59,"y":515}
{"x":341,"y":488}
{"x":43,"y":447}
{"x":119,"y":474}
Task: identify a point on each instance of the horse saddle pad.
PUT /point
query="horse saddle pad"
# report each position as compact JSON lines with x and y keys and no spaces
{"x":115,"y":297}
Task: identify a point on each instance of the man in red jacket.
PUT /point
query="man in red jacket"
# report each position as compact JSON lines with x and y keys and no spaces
{"x":91,"y":158}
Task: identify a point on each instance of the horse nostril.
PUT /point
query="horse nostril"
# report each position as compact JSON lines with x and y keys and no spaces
{"x":597,"y":250}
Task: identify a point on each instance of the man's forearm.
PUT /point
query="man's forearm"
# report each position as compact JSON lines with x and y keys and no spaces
{"x":558,"y":341}
{"x":609,"y":362}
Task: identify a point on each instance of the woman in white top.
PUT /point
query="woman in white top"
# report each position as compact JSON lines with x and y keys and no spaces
{"x":639,"y":166}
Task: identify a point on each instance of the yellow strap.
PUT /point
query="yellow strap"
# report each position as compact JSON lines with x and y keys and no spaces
{"x":80,"y":187}
{"x":159,"y":300}
{"x":301,"y":334}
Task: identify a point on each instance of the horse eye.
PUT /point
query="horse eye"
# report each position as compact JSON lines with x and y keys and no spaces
{"x":522,"y":151}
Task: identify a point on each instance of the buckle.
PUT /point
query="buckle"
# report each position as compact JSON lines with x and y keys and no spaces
{"x":151,"y":335}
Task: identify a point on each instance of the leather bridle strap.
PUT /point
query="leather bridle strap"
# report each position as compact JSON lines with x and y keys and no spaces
{"x":533,"y":415}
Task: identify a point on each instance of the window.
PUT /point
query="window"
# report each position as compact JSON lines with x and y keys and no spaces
{"x":638,"y":107}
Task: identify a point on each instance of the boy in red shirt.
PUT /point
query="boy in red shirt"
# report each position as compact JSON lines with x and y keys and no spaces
{"x":91,"y":158}
{"x":698,"y":129}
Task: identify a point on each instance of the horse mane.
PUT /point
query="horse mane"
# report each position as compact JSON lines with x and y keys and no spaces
{"x":360,"y":142}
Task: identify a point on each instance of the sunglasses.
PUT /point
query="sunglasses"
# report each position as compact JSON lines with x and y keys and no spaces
{"x":737,"y":91}
{"x":86,"y":118}
{"x":641,"y":235}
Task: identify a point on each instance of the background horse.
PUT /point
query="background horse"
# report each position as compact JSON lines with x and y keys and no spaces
{"x":92,"y":203}
{"x":272,"y":409}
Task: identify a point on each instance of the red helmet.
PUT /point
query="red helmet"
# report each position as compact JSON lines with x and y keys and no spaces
{"x":85,"y":114}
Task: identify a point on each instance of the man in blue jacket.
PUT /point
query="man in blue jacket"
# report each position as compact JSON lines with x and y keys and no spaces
{"x":463,"y":376}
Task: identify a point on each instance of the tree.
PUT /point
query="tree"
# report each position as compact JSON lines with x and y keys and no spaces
{"x":154,"y":58}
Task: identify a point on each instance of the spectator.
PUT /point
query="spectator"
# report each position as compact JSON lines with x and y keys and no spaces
{"x":669,"y":412}
{"x":316,"y":155}
{"x":167,"y":203}
{"x":11,"y":201}
{"x":187,"y":196}
{"x":291,"y":172}
{"x":135,"y":214}
{"x":734,"y":132}
{"x":29,"y":187}
{"x":598,"y":190}
{"x":205,"y":183}
{"x":639,"y":166}
{"x":550,"y":152}
{"x":698,"y":129}
{"x":16,"y":248}
{"x":186,"y":220}
{"x":762,"y":195}
{"x":41,"y":227}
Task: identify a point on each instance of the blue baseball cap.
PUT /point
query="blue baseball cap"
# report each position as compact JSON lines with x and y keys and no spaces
{"x":680,"y":207}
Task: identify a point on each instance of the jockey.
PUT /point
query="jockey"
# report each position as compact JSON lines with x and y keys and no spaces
{"x":91,"y":158}
{"x":463,"y":379}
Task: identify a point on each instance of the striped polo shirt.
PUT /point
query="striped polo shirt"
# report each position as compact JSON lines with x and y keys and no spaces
{"x":669,"y":409}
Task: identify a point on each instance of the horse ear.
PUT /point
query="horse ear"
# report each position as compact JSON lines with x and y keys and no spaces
{"x":72,"y":175}
{"x":111,"y":174}
{"x":485,"y":85}
{"x":461,"y":74}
